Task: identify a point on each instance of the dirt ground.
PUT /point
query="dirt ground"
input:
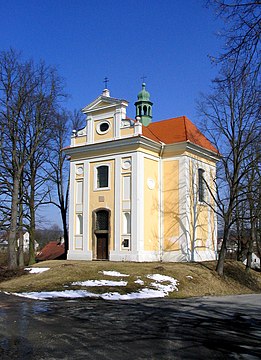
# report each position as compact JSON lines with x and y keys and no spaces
{"x":6,"y":274}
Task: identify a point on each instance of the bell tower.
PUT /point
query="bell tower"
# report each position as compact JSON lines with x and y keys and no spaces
{"x":144,"y":106}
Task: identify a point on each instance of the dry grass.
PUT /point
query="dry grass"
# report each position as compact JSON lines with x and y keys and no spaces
{"x":195,"y":279}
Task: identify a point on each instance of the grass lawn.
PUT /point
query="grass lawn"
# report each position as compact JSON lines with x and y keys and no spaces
{"x":195,"y":279}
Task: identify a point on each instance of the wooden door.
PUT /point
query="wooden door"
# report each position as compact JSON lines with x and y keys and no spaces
{"x":102,"y":246}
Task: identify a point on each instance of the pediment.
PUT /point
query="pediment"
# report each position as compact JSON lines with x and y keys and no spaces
{"x":103,"y":102}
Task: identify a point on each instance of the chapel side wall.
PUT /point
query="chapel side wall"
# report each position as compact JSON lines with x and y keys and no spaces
{"x":202,"y":216}
{"x":151,"y":205}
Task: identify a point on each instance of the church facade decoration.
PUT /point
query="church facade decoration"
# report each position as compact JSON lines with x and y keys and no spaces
{"x":140,"y":190}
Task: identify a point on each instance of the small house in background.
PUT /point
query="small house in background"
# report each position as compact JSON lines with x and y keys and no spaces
{"x":54,"y":250}
{"x":26,"y":240}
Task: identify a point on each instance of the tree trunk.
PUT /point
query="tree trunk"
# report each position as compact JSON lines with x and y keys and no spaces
{"x":21,"y":247}
{"x":250,"y":244}
{"x":21,"y":237}
{"x":222,"y":254}
{"x":12,"y":241}
{"x":32,"y":220}
{"x":65,"y":233}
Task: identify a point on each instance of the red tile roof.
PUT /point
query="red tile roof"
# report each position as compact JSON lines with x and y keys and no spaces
{"x":177,"y":130}
{"x":52,"y":250}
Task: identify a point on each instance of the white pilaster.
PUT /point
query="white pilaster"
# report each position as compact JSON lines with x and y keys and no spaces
{"x":117,"y":205}
{"x":138,"y":202}
{"x":90,"y":134}
{"x":71,"y":209}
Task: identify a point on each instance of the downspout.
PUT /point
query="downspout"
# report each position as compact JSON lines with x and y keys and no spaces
{"x":160,"y":201}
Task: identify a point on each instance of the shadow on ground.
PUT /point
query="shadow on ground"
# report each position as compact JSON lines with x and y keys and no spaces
{"x":202,"y":328}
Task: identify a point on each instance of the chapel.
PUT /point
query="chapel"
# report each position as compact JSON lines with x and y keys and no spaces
{"x":140,"y":190}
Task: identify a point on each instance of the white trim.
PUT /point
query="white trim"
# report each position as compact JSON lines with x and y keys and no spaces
{"x":71,"y":207}
{"x":86,"y":200}
{"x":161,"y":208}
{"x":137,"y":203}
{"x":141,"y":256}
{"x":79,"y":255}
{"x":90,"y":134}
{"x":117,"y":203}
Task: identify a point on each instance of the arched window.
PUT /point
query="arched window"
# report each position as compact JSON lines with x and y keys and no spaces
{"x":139,"y":113}
{"x":102,"y":176}
{"x":145,"y":110}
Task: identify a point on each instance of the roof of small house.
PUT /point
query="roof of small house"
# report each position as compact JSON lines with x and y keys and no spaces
{"x":177,"y":130}
{"x":51,"y":251}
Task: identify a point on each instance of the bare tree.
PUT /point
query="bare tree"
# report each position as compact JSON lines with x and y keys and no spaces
{"x":241,"y":33}
{"x":28,"y":94}
{"x":231,"y":118}
{"x":44,"y":105}
{"x":17,"y":83}
{"x":59,"y":166}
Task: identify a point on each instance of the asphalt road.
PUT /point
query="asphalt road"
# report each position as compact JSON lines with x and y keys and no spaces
{"x":199,"y":328}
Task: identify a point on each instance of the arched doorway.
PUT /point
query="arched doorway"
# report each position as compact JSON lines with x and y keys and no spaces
{"x":101,"y":231}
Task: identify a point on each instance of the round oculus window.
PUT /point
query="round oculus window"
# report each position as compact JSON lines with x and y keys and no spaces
{"x":103,"y":127}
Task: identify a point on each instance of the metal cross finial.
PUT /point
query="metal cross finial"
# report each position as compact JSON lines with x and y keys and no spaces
{"x":143,"y":78}
{"x":106,"y":80}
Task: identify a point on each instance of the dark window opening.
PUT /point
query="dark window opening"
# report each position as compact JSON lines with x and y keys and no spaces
{"x":126,"y":243}
{"x":201,"y":185}
{"x":104,"y":127}
{"x":102,"y":220}
{"x":102,"y":176}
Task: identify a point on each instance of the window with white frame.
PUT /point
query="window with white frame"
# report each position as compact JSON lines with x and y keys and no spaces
{"x":201,"y":185}
{"x":102,"y":176}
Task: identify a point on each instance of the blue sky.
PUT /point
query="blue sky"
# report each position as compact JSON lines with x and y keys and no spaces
{"x":168,"y":41}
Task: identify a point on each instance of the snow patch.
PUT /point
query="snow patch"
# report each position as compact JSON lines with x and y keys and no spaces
{"x":160,"y":290}
{"x":113,"y":273}
{"x":166,"y":289}
{"x":100,"y":283}
{"x":139,"y":281}
{"x":36,"y":270}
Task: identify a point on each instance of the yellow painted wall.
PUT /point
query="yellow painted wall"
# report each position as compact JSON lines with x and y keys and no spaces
{"x":80,"y":140}
{"x":108,"y":203}
{"x":129,"y":131}
{"x":202,"y":227}
{"x":151,"y":206}
{"x":106,"y":136}
{"x":171,"y":204}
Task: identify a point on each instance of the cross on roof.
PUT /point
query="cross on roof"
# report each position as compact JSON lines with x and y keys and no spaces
{"x":143,"y":78}
{"x":106,"y":80}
